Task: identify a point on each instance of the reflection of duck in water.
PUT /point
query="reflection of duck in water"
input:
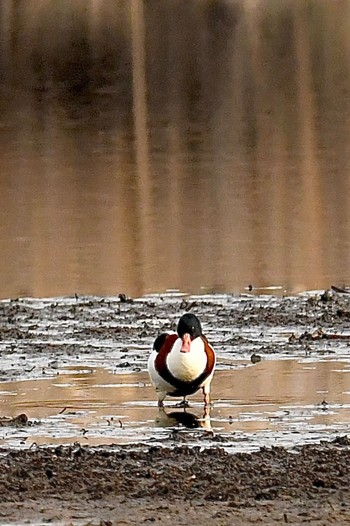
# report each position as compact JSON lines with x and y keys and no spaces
{"x":181,"y":364}
{"x":183,"y":418}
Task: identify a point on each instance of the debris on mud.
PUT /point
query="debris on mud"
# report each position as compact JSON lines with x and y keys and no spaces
{"x":17,"y":421}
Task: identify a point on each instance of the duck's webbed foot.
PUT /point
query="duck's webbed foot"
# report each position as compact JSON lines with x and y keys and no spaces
{"x":183,"y":403}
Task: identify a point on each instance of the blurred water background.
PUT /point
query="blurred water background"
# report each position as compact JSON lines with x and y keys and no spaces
{"x":200,"y":145}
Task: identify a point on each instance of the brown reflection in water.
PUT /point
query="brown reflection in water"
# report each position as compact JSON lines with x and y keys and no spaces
{"x":147,"y":145}
{"x":272,"y":395}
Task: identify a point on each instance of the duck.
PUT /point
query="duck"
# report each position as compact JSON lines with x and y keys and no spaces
{"x":182,"y":362}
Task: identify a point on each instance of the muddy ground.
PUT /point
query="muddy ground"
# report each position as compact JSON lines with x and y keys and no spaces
{"x":171,"y":485}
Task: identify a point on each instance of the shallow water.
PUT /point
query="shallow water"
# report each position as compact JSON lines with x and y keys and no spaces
{"x":275,"y":402}
{"x":196,"y":145}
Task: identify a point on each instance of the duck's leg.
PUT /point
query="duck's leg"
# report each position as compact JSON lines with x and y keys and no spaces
{"x":206,"y":413}
{"x":161,"y":395}
{"x":206,"y":394}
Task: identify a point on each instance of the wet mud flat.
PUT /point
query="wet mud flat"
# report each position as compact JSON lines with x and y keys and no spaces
{"x":172,"y":483}
{"x":40,"y":336}
{"x":178,"y":485}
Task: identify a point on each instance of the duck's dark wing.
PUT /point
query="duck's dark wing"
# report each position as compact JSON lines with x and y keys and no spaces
{"x":159,"y":341}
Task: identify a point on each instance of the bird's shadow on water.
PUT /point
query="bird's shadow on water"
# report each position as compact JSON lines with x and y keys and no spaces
{"x":184,"y":418}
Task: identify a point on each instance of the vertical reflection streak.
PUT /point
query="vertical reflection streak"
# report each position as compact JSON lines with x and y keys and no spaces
{"x":308,"y":256}
{"x":141,"y":141}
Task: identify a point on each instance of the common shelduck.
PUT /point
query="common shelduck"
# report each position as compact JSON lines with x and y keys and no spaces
{"x":182,"y":362}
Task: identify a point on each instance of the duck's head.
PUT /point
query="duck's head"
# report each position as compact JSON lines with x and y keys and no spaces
{"x":189,"y":328}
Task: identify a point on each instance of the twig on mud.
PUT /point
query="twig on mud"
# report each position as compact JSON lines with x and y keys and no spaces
{"x":336,"y":337}
{"x":318,"y":334}
{"x":340,"y":290}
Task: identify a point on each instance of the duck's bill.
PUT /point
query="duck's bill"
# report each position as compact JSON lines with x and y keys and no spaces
{"x":186,"y":343}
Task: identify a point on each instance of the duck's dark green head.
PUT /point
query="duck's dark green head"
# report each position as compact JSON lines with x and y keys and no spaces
{"x":189,"y":324}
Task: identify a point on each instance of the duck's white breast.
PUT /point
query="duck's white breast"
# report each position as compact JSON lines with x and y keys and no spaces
{"x":187,"y":366}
